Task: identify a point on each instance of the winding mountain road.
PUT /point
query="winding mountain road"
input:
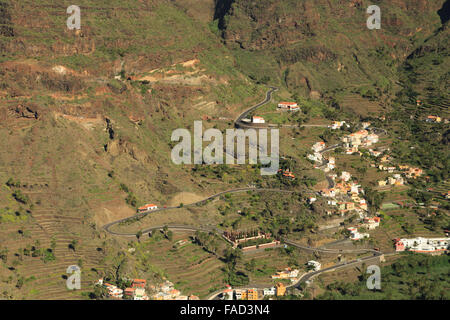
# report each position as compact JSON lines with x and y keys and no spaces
{"x":238,"y":122}
{"x":107,"y":227}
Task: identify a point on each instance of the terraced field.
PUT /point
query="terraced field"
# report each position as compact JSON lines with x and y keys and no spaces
{"x":47,"y":279}
{"x":189,"y":267}
{"x":360,"y":105}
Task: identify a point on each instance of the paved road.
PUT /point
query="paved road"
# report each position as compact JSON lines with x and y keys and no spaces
{"x":330,"y":182}
{"x":108,"y":226}
{"x":308,"y":276}
{"x":238,"y":122}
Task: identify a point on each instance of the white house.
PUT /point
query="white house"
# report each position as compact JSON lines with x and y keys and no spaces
{"x":365,"y":125}
{"x":139,"y":294}
{"x":374,"y":153}
{"x":318,"y":146}
{"x":256,"y":119}
{"x":355,"y":235}
{"x":372,"y":138}
{"x":331,"y":163}
{"x":148,"y":207}
{"x":312,"y":199}
{"x":345,"y":175}
{"x":336,"y":125}
{"x":372,"y":223}
{"x":238,"y":294}
{"x":269,"y":291}
{"x":317,"y":157}
{"x":354,"y":188}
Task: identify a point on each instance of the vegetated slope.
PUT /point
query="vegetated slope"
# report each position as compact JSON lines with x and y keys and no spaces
{"x":83,"y":140}
{"x":412,"y":277}
{"x":325,"y":46}
{"x":86,"y":116}
{"x":425,"y":77}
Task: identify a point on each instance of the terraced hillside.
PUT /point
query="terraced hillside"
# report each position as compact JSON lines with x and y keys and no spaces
{"x":86,"y":117}
{"x":325,"y":46}
{"x":85,"y":120}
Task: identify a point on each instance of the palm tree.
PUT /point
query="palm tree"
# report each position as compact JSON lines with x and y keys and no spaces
{"x":139,"y":235}
{"x":73,"y":244}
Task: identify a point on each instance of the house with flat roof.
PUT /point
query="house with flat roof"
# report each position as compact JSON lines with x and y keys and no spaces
{"x":268,"y":292}
{"x":423,"y":245}
{"x":281,"y":289}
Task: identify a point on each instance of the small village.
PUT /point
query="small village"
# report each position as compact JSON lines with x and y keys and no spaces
{"x":137,"y":291}
{"x":344,"y":196}
{"x":224,"y":150}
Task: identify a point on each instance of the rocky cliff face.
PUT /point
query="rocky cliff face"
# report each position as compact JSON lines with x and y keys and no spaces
{"x":309,"y":37}
{"x":267,"y":24}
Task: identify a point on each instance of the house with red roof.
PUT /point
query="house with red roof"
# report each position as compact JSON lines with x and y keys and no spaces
{"x":291,"y":106}
{"x":257,"y":119}
{"x":139,"y":283}
{"x":148,"y":207}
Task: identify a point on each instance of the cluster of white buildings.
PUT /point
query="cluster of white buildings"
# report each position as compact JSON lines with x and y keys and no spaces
{"x":112,"y":290}
{"x":252,"y":293}
{"x":317,"y":155}
{"x":287,"y":273}
{"x":347,"y":191}
{"x":369,"y":223}
{"x":358,"y":139}
{"x":136,"y":292}
{"x":423,"y":245}
{"x":372,"y":222}
{"x":349,"y":194}
{"x":167,"y":291}
{"x":396,"y":180}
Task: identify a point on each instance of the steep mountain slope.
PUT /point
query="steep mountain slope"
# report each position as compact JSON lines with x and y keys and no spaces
{"x":425,"y":79}
{"x":325,"y":46}
{"x":86,"y":118}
